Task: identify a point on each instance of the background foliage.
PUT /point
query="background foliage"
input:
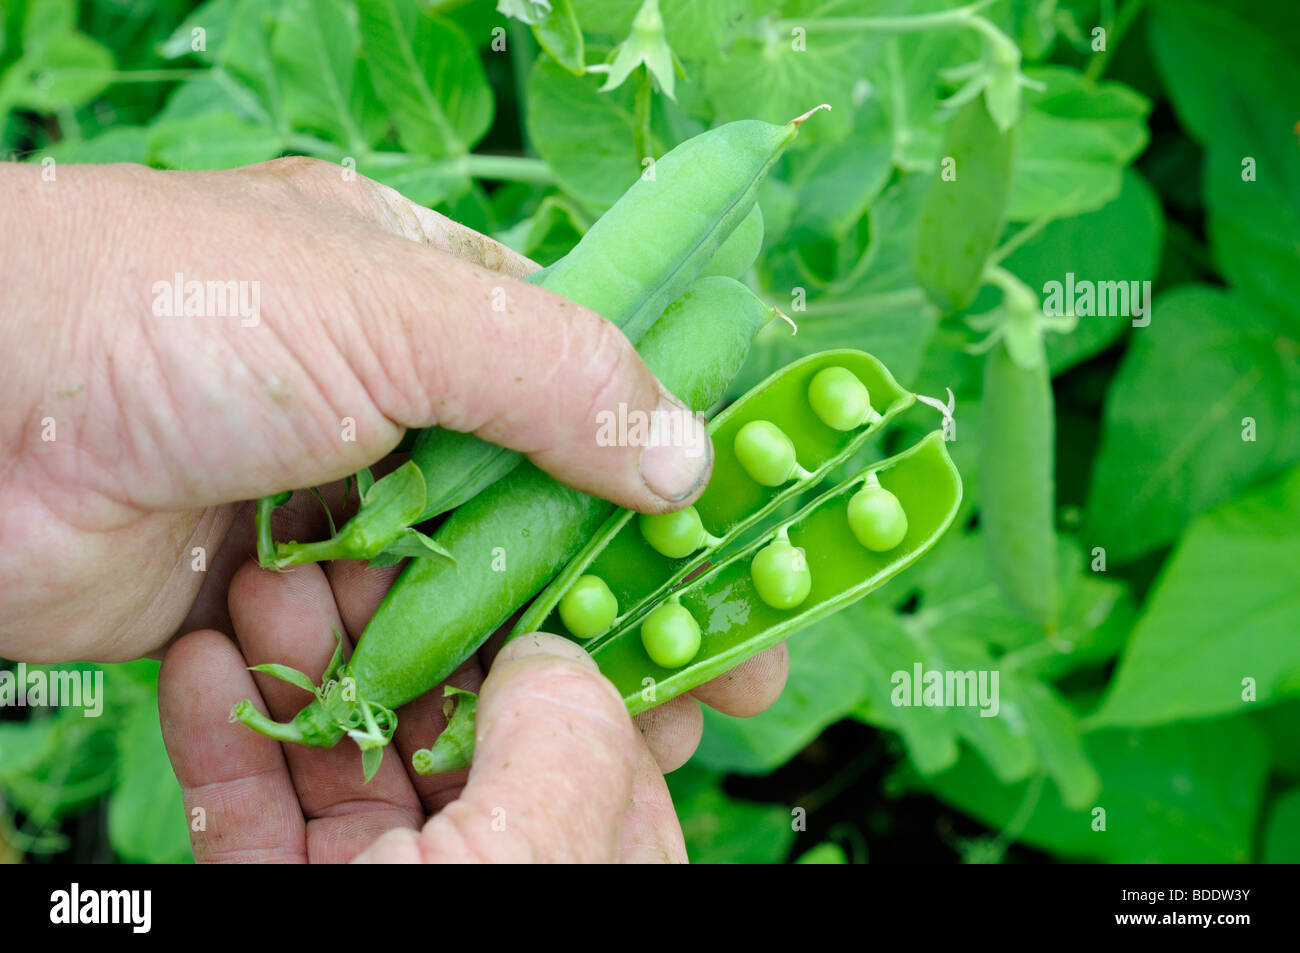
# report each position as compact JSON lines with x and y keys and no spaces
{"x":1129,"y":166}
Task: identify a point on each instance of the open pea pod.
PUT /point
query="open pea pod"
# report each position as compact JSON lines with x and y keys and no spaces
{"x":637,"y":574}
{"x":735,"y":623}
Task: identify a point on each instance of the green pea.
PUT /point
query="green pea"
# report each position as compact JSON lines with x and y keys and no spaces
{"x":877,"y":518}
{"x":765,"y":452}
{"x":671,"y":635}
{"x":780,"y":574}
{"x":589,"y":608}
{"x":839,"y":399}
{"x":675,"y":535}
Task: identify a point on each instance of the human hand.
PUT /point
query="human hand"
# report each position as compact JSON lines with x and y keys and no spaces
{"x":560,"y":773}
{"x":128,"y":436}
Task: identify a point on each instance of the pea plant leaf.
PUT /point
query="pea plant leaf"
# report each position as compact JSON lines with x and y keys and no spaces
{"x":1245,"y":121}
{"x":771,"y":78}
{"x":720,"y":829}
{"x":201,"y":33}
{"x":119,"y":144}
{"x":559,"y":34}
{"x":905,"y":75}
{"x":428,"y":76}
{"x":1076,"y":136}
{"x":584,"y":135}
{"x":816,"y":694}
{"x":1121,"y":241}
{"x":59,"y":67}
{"x":962,"y":623}
{"x":246,"y":55}
{"x":146,"y":812}
{"x":1203,"y":405}
{"x":836,"y":185}
{"x":1218,"y":633}
{"x":216,"y":140}
{"x":1164,"y":796}
{"x":316,"y":44}
{"x":1282,"y":830}
{"x":874,"y":305}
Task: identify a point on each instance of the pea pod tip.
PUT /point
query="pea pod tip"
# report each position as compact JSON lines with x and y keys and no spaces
{"x":799,"y":120}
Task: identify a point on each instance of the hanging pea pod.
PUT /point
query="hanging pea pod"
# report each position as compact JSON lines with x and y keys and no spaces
{"x":735,"y":618}
{"x":639,"y":257}
{"x":509,"y":541}
{"x":1017,"y":463}
{"x":962,"y":216}
{"x":638,"y":567}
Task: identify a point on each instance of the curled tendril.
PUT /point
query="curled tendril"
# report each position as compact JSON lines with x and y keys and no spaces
{"x":946,"y":409}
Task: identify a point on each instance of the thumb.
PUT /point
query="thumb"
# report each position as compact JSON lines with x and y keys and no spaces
{"x":553,"y":767}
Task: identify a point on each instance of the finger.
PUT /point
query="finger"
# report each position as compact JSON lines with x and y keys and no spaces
{"x":554,"y":765}
{"x":651,"y":833}
{"x":342,"y":334}
{"x":752,"y":687}
{"x":672,"y":731}
{"x":289,"y":618}
{"x":235,"y":783}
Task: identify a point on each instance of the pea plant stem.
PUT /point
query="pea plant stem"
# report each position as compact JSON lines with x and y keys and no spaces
{"x":1127,"y":15}
{"x":958,"y":16}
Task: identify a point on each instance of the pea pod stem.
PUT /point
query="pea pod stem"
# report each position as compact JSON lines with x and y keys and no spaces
{"x":288,"y":732}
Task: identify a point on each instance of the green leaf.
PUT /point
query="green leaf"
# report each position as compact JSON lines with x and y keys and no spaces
{"x":65,"y":70}
{"x":559,"y":34}
{"x":876,"y":307}
{"x":1120,"y":241}
{"x":835,"y":185}
{"x":1245,"y":119}
{"x":723,"y":830}
{"x":315,"y":47}
{"x":1282,"y":831}
{"x":1076,"y":136}
{"x":428,"y":75}
{"x":118,"y":144}
{"x":824,"y":853}
{"x":212,"y":141}
{"x":1165,"y":794}
{"x":767,"y":78}
{"x":285,"y":674}
{"x":1172,"y":443}
{"x":1225,"y":610}
{"x":146,"y":812}
{"x":422,"y":180}
{"x":213,"y":18}
{"x":412,"y":543}
{"x":586,"y":136}
{"x":829,"y":667}
{"x":246,"y":55}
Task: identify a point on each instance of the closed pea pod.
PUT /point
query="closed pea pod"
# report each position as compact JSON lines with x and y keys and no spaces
{"x":630,"y":561}
{"x":962,"y":215}
{"x":1017,"y":471}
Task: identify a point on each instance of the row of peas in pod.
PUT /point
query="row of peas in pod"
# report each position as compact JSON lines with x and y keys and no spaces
{"x":624,"y":597}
